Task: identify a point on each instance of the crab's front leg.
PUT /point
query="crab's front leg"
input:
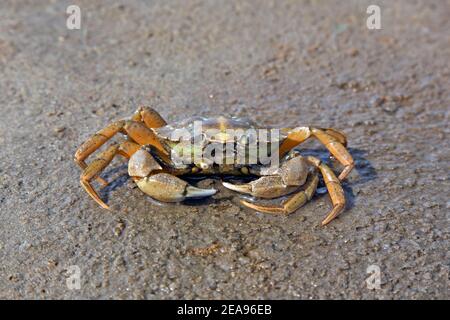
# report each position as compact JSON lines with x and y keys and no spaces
{"x":295,"y":175}
{"x":335,"y":141}
{"x":276,"y":182}
{"x":166,"y":187}
{"x":295,"y":201}
{"x":152,"y":180}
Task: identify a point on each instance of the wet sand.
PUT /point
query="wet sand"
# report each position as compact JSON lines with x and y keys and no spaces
{"x":280,"y":63}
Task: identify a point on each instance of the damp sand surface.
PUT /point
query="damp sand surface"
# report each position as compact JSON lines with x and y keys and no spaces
{"x":283,"y":63}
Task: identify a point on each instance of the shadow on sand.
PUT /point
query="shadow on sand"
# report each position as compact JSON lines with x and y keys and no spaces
{"x":366,"y":172}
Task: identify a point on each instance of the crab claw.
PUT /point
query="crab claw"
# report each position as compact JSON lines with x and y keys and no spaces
{"x":168,"y":188}
{"x":194,"y":192}
{"x":276,"y":182}
{"x":267,"y":187}
{"x":242,"y":188}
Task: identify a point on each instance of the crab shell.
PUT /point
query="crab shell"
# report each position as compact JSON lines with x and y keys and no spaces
{"x":151,"y":175}
{"x":195,"y":136}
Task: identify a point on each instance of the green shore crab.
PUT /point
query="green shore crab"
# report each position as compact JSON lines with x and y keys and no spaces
{"x":161,"y":154}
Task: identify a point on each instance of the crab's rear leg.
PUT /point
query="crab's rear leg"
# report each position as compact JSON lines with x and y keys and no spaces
{"x":137,"y":131}
{"x":104,"y":158}
{"x":335,"y":141}
{"x":149,"y":116}
{"x":95,"y":142}
{"x":334,"y":189}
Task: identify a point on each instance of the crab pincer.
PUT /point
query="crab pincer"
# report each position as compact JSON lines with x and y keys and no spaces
{"x":169,"y":188}
{"x":150,"y":178}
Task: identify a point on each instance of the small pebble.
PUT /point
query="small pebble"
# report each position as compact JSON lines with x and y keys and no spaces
{"x":118,"y":229}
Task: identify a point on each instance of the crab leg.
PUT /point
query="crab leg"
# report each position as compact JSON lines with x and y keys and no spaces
{"x":169,"y":188}
{"x":333,"y":140}
{"x":334,"y":189}
{"x":150,"y":117}
{"x":267,"y":187}
{"x":135,"y":130}
{"x":337,"y":149}
{"x":95,"y":142}
{"x":278,"y":182}
{"x":143,"y":114}
{"x":128,"y":148}
{"x":292,"y":203}
{"x":92,"y":170}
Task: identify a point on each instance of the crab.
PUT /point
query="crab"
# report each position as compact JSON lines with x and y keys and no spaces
{"x":150,"y":146}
